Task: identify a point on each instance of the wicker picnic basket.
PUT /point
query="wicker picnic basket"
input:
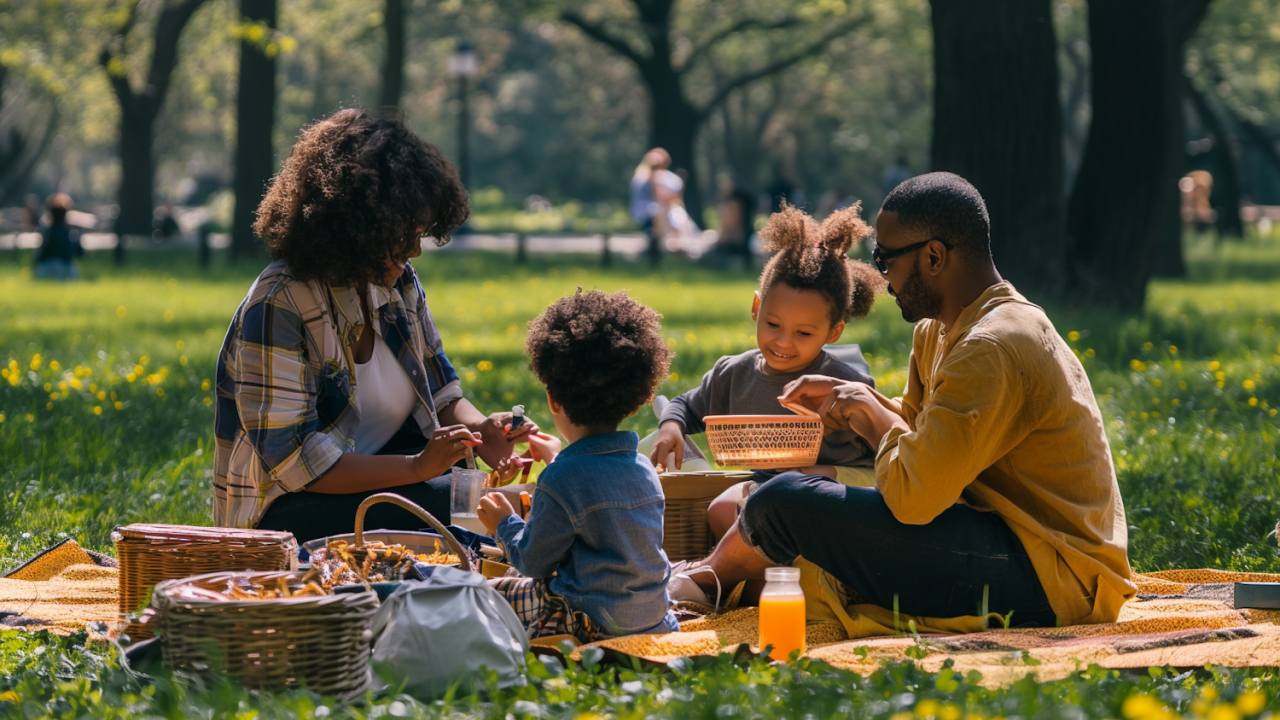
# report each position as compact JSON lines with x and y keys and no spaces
{"x":764,"y":442}
{"x":686,"y":535}
{"x":320,"y":642}
{"x":150,"y":554}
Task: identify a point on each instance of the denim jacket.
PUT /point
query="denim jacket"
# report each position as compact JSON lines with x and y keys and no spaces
{"x":596,"y":531}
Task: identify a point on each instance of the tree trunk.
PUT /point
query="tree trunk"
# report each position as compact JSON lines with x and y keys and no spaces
{"x":674,"y":125}
{"x":255,"y":120}
{"x":393,"y":65}
{"x":998,"y":123}
{"x":1125,"y":198}
{"x":137,"y":172}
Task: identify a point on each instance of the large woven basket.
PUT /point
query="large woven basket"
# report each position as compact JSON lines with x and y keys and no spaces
{"x":318,"y":642}
{"x":764,"y":442}
{"x":150,"y":554}
{"x":686,"y":535}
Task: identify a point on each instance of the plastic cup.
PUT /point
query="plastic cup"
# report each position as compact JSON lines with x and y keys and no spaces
{"x":468,"y":486}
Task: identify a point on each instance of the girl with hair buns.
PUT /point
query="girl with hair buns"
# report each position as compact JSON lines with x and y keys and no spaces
{"x":809,"y":289}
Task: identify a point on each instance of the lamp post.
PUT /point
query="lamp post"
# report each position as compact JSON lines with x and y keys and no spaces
{"x":462,"y":65}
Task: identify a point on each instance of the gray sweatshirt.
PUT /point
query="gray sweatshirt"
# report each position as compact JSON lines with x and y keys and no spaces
{"x":739,"y":385}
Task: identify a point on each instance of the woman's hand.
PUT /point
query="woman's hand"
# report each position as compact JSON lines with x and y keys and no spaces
{"x":447,"y":446}
{"x":494,"y":507}
{"x":500,"y":441}
{"x":670,"y":440}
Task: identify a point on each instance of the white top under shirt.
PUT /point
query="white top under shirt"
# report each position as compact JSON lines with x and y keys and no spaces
{"x":384,"y":396}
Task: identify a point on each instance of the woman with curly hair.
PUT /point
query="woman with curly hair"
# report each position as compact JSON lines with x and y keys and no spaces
{"x":332,"y":383}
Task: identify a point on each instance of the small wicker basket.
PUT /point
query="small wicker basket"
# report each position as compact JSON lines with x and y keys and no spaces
{"x":150,"y":554}
{"x":686,"y":535}
{"x":320,"y":642}
{"x":764,"y":442}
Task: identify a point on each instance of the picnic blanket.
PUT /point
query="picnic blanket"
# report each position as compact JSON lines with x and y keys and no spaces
{"x":62,"y":590}
{"x":1180,"y":618}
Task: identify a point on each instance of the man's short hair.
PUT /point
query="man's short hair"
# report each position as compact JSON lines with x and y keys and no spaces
{"x":947,"y":207}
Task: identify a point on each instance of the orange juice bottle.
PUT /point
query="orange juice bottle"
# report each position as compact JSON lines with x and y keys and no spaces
{"x":782,"y":612}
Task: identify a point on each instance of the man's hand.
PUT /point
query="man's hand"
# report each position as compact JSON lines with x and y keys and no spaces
{"x":854,"y":406}
{"x":493,"y":508}
{"x":670,"y":440}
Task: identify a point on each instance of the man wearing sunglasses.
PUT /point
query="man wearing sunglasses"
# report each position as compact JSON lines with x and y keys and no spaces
{"x":995,"y":487}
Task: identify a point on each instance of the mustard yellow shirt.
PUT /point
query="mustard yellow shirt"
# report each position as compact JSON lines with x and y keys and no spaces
{"x":1003,"y":419}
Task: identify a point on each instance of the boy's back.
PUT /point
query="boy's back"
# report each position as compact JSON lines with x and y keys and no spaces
{"x":596,"y":525}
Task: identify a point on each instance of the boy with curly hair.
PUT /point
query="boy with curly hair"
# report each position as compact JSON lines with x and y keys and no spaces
{"x":591,"y":549}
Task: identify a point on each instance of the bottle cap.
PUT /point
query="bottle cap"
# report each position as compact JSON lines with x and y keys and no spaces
{"x":517,"y":410}
{"x":782,"y":574}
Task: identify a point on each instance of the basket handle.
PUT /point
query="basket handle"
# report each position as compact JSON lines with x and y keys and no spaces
{"x":416,"y":509}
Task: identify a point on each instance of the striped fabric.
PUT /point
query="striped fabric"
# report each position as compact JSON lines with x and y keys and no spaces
{"x":286,"y":407}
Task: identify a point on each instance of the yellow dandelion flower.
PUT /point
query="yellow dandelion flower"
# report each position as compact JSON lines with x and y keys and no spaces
{"x":131,"y":377}
{"x":1272,"y":413}
{"x":509,"y":396}
{"x":1156,"y":382}
{"x":54,"y":366}
{"x":1140,"y":706}
{"x":182,"y":360}
{"x":75,"y":383}
{"x":1220,"y":375}
{"x":1182,"y":384}
{"x":208,"y":401}
{"x":30,"y":417}
{"x":1223,"y":711}
{"x":62,"y":385}
{"x":484,"y":366}
{"x":690,"y":338}
{"x":121,"y":311}
{"x":1090,"y":352}
{"x":48,"y":406}
{"x":1,"y":417}
{"x":1073,"y":336}
{"x":1249,"y":384}
{"x":1137,"y":365}
{"x":1221,"y":384}
{"x":1253,"y":401}
{"x":1152,"y":431}
{"x":180,"y":345}
{"x":205,"y":386}
{"x":1147,"y":345}
{"x":1175,"y":402}
{"x":470,"y":376}
{"x":1251,"y":702}
{"x":1173,"y":349}
{"x":927,"y":708}
{"x":97,"y":409}
{"x":1155,"y":401}
{"x":119,"y":405}
{"x":48,"y":387}
{"x":674,"y":377}
{"x":36,"y":360}
{"x":1215,"y":365}
{"x":1177,"y":364}
{"x":102,"y":395}
{"x":168,"y":316}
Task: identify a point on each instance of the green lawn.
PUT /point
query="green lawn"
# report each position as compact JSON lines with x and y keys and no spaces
{"x":105,"y":419}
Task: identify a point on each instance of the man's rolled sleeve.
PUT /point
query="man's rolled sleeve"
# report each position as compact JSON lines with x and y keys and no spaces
{"x":969,"y":423}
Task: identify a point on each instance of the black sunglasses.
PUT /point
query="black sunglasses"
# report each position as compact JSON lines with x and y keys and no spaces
{"x":882,"y":257}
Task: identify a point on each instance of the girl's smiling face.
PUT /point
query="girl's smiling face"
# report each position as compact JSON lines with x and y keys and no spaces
{"x":792,"y":326}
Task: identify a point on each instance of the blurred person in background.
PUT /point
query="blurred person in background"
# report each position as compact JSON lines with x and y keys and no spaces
{"x":59,"y":244}
{"x":837,"y":198}
{"x":737,"y":222}
{"x":894,"y":175}
{"x":646,"y":210}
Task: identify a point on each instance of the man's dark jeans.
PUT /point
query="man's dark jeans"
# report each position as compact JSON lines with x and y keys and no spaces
{"x":935,"y":570}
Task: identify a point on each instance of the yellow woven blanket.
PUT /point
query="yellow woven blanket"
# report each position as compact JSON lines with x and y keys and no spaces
{"x":61,"y":590}
{"x":1181,"y":618}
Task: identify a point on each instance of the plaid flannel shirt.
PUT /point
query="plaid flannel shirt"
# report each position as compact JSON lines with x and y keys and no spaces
{"x":286,"y":407}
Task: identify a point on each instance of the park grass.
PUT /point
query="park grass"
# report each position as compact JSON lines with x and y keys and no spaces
{"x":107,"y":418}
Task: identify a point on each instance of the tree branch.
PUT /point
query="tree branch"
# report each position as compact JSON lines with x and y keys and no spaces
{"x":784,"y":62}
{"x":745,"y":24}
{"x":165,"y":55}
{"x":114,"y":47}
{"x":598,"y":33}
